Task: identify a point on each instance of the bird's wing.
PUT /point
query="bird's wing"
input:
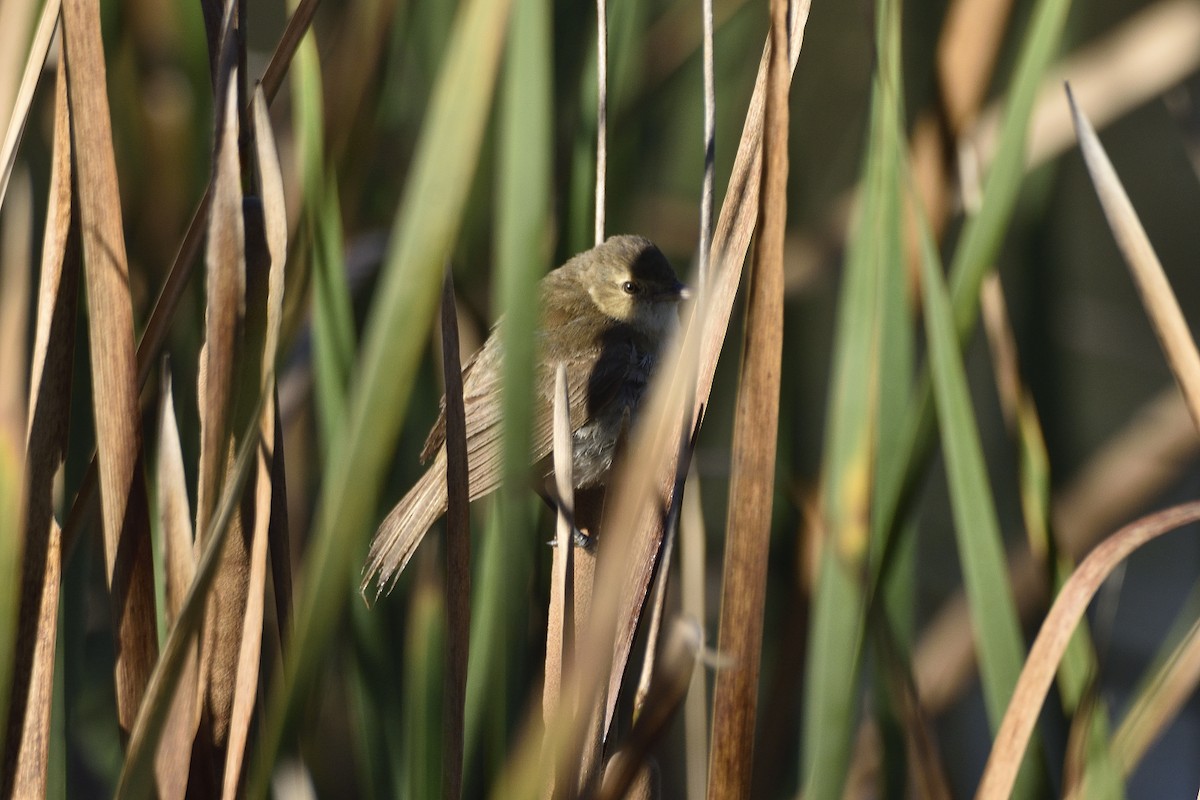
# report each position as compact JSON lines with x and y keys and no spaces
{"x":437,"y":434}
{"x":594,"y":378}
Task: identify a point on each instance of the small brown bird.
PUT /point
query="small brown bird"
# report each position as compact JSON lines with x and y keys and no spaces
{"x":605,"y":315}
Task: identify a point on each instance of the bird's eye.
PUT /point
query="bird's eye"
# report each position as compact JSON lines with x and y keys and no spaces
{"x":629,"y":287}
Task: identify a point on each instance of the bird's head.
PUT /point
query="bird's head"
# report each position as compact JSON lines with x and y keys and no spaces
{"x":631,"y":281}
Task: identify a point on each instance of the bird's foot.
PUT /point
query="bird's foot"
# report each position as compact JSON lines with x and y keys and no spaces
{"x":580,"y":539}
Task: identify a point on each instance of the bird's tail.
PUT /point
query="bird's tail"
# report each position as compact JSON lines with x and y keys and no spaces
{"x":404,"y":527}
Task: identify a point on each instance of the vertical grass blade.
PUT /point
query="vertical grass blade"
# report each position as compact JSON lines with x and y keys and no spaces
{"x":422,"y":692}
{"x":426,"y":226}
{"x":852,"y":436}
{"x":978,"y":243}
{"x":114,"y":368}
{"x":756,"y":419}
{"x":523,"y":243}
{"x":980,"y":544}
{"x":982,"y":231}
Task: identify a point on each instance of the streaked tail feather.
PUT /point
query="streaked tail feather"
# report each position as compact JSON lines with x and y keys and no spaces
{"x":404,"y":527}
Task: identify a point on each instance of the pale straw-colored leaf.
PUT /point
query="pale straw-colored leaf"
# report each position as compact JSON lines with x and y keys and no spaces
{"x":710,"y":145}
{"x":558,"y":622}
{"x":224,"y":317}
{"x":1054,"y":636}
{"x":28,"y":732}
{"x":124,"y":512}
{"x":564,"y":483}
{"x":173,"y":759}
{"x":16,"y":25}
{"x":15,"y":124}
{"x":1157,"y":295}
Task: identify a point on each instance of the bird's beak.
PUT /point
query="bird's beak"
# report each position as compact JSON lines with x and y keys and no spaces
{"x":684,"y":292}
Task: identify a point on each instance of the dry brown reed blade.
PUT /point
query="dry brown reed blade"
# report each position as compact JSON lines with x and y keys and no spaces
{"x":28,"y":733}
{"x":225,"y":307}
{"x":266,"y":256}
{"x":752,"y":479}
{"x":169,"y":296}
{"x":458,"y":553}
{"x":1053,"y":637}
{"x":113,"y":364}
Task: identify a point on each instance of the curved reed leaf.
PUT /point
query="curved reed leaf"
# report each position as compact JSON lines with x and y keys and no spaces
{"x":1054,"y":636}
